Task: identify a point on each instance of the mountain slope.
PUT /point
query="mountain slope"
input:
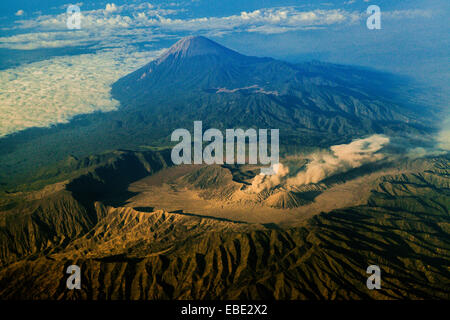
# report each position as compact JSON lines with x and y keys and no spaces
{"x":201,"y":80}
{"x":313,"y":104}
{"x":48,"y":219}
{"x":132,"y":254}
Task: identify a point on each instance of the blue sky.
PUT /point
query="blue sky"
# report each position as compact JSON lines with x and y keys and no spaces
{"x":413,"y":32}
{"x":414,"y":40}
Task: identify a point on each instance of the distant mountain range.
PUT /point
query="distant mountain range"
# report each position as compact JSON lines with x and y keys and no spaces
{"x":198,"y":79}
{"x":102,"y":193}
{"x":313,"y":104}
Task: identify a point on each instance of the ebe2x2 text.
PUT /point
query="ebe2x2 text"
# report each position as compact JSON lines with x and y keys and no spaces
{"x":230,"y":309}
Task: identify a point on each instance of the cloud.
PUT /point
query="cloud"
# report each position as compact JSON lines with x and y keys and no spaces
{"x":277,"y":20}
{"x":110,"y":7}
{"x":138,"y":20}
{"x":112,"y":25}
{"x":53,"y":91}
{"x":65,"y":6}
{"x":407,"y":14}
{"x":69,"y":38}
{"x":112,"y":15}
{"x":19,"y":13}
{"x":35,"y":40}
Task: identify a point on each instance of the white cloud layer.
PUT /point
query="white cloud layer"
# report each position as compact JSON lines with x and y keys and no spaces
{"x":110,"y":7}
{"x":137,"y":20}
{"x":53,"y":91}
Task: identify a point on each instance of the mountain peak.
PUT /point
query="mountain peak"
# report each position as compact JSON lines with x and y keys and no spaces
{"x":195,"y":46}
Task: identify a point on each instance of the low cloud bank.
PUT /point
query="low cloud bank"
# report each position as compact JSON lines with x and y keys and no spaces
{"x":53,"y":91}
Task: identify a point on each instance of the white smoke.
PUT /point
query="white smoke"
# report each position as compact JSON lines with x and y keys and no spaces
{"x":323,"y":164}
{"x":264,"y":182}
{"x":341,"y":158}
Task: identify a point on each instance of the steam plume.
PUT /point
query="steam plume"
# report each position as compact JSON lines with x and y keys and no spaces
{"x":263,"y":182}
{"x":339,"y":158}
